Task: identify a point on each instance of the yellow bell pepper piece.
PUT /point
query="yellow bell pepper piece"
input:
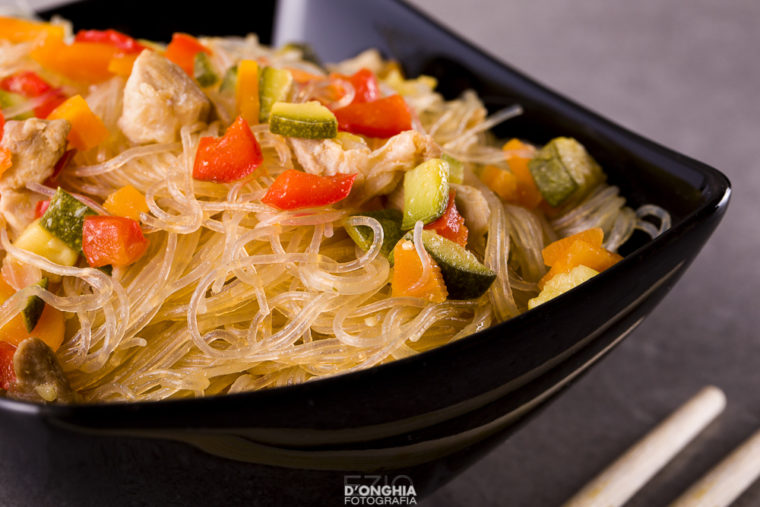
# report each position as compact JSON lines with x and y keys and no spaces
{"x":126,"y":202}
{"x":87,"y":129}
{"x":247,"y":91}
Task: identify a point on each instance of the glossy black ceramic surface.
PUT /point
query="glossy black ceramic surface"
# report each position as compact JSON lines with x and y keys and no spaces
{"x":425,"y":417}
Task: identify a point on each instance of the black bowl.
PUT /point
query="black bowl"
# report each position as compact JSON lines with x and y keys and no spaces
{"x":419,"y":420}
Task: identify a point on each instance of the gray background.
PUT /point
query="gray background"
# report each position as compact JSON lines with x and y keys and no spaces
{"x":685,"y":73}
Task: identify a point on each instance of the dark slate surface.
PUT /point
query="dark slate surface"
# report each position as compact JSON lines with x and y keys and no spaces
{"x":686,"y":74}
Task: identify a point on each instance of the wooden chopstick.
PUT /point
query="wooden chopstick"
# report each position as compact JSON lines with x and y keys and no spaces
{"x":727,"y":480}
{"x":624,"y":477}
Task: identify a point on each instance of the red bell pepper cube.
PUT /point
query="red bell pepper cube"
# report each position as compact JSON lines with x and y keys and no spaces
{"x":230,"y":157}
{"x":117,"y":241}
{"x":295,"y":189}
{"x":7,"y":373}
{"x":384,"y":117}
{"x":182,"y":50}
{"x":366,"y":86}
{"x":450,"y":225}
{"x":123,"y":42}
{"x":30,"y":85}
{"x":40,"y":208}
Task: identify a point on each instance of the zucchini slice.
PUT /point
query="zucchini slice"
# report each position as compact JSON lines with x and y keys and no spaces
{"x":34,"y":307}
{"x":390,"y":220}
{"x":463,"y":273}
{"x":203,"y":71}
{"x":38,"y":240}
{"x":456,"y":169}
{"x":274,"y":85}
{"x":229,"y":81}
{"x":309,"y":120}
{"x":10,"y":99}
{"x":426,"y":192}
{"x":64,"y":218}
{"x":563,"y":169}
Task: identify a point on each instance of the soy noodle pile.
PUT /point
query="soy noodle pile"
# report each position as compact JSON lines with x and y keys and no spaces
{"x":233,"y":294}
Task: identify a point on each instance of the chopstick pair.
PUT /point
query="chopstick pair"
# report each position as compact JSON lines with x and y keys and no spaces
{"x":719,"y":487}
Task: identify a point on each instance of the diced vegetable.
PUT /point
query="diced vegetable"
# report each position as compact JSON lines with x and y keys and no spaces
{"x":182,"y":50}
{"x":126,"y":202}
{"x":301,"y":76}
{"x":230,"y":157}
{"x":450,"y":225}
{"x":502,"y":182}
{"x":366,"y":86}
{"x":390,"y":220}
{"x":518,"y":155}
{"x":274,"y":86}
{"x":10,"y":99}
{"x":247,"y":91}
{"x":52,"y":180}
{"x":563,"y":169}
{"x":409,"y":87}
{"x":65,"y":217}
{"x":21,"y":30}
{"x":203,"y":71}
{"x":122,"y":42}
{"x":426,"y":192}
{"x":37,"y":240}
{"x":87,"y":129}
{"x":85,"y":62}
{"x":456,"y":169}
{"x":465,"y":276}
{"x":407,"y":270}
{"x":562,"y":283}
{"x":295,"y":189}
{"x":34,"y":307}
{"x":30,"y":85}
{"x":309,"y":120}
{"x":121,"y":64}
{"x":6,"y":160}
{"x":229,"y":80}
{"x":383,"y":117}
{"x":581,"y":253}
{"x":115,"y":241}
{"x":41,"y":207}
{"x":554,"y":251}
{"x":7,"y":373}
{"x":49,"y":328}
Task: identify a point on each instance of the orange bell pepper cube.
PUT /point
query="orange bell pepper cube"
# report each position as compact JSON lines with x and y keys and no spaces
{"x":383,"y":117}
{"x":29,"y":84}
{"x":49,"y":327}
{"x":84,"y":62}
{"x":21,"y":30}
{"x":121,"y":64}
{"x":182,"y":50}
{"x":450,"y":225}
{"x":364,"y":81}
{"x":518,"y":154}
{"x":502,"y":182}
{"x":295,"y":189}
{"x":231,"y":157}
{"x":581,"y":253}
{"x":247,"y":102}
{"x":6,"y":160}
{"x":555,"y":250}
{"x":407,"y":270}
{"x":87,"y":129}
{"x":7,"y":372}
{"x":117,"y":241}
{"x":126,"y":202}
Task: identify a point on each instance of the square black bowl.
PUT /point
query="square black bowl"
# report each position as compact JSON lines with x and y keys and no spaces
{"x":419,"y":420}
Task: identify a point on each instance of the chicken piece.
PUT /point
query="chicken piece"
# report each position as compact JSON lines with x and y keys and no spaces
{"x":39,"y":376}
{"x":328,"y":158}
{"x":35,"y":146}
{"x":473,"y":206}
{"x":399,"y":154}
{"x":159,"y":99}
{"x":17,"y":207}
